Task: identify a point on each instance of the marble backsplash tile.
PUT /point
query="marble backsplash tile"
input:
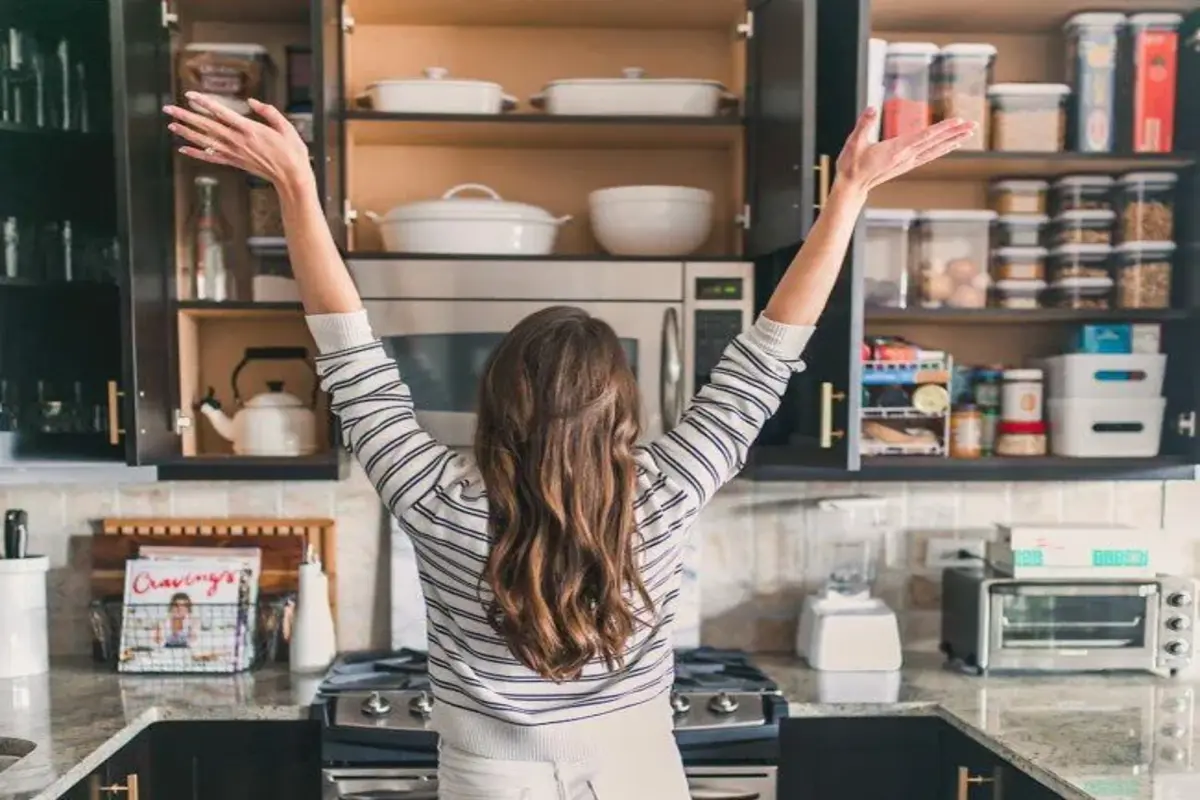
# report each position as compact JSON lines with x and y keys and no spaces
{"x":753,"y":559}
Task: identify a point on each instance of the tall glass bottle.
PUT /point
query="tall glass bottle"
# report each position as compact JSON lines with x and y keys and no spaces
{"x":209,"y":277}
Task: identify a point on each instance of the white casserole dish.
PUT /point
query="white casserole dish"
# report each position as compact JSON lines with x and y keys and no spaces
{"x":634,"y":95}
{"x":437,"y":93}
{"x":651,"y":220}
{"x":469,"y":226}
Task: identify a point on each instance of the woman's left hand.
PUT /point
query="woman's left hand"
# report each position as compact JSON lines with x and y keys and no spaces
{"x":271,"y":149}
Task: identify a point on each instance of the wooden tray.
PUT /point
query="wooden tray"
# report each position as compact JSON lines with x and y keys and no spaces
{"x":283,"y":543}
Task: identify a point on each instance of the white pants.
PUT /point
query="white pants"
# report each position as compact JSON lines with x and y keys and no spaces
{"x":620,"y":772}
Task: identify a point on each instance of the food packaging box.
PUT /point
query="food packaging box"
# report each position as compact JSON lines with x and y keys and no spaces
{"x":1074,"y":551}
{"x":1104,"y":339}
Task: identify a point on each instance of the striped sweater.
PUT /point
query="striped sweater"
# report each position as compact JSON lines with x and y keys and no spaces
{"x":487,"y":702}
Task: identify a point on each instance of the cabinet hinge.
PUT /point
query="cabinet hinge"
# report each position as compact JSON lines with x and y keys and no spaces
{"x":349,"y":213}
{"x":743,"y":219}
{"x":745,"y":28}
{"x":170,"y":20}
{"x":182,"y":422}
{"x":1186,"y":424}
{"x":347,"y":20}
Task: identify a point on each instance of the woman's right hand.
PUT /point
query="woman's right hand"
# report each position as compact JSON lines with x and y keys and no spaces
{"x":271,"y":149}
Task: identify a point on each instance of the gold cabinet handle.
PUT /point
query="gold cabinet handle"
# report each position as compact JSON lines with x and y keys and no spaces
{"x":828,"y":434}
{"x":966,"y":780}
{"x":822,"y":168}
{"x":129,"y":789}
{"x":115,"y":431}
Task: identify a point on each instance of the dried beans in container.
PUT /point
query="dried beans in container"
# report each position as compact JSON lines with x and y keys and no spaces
{"x":1144,"y":274}
{"x":1147,"y":203}
{"x":962,"y":75}
{"x":1092,"y":42}
{"x":908,"y":95}
{"x":1084,"y":226}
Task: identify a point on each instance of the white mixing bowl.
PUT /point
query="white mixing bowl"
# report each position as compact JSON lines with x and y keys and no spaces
{"x":651,"y":220}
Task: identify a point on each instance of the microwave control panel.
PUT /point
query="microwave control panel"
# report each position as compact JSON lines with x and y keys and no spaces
{"x":715,"y":329}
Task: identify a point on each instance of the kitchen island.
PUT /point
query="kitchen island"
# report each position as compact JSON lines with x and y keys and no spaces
{"x":1082,"y":737}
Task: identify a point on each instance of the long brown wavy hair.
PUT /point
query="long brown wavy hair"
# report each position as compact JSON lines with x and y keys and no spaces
{"x":557,"y":426}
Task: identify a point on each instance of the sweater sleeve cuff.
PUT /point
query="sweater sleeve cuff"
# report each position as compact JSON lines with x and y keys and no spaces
{"x":785,"y":342}
{"x":334,"y":332}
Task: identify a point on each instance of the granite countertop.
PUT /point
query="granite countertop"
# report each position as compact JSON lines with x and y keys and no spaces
{"x":1086,"y":737}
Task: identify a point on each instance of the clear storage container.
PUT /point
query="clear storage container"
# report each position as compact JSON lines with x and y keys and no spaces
{"x":962,"y":74}
{"x":1019,"y":263}
{"x":1019,"y":196}
{"x":951,"y":255}
{"x":230,"y":72}
{"x":887,"y":275}
{"x":1092,"y":74}
{"x":908,"y":96}
{"x":266,"y":218}
{"x":1144,"y":274}
{"x":1028,"y":117}
{"x":1085,"y":226}
{"x":1082,"y":192}
{"x":1147,"y":203}
{"x":1081,"y":276}
{"x":1020,"y":230}
{"x":1019,"y":294}
{"x":1083,"y":293}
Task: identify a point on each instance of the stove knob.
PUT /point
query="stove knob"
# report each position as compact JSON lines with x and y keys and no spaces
{"x":1178,"y":623}
{"x":1173,"y":731}
{"x":1179,"y":599}
{"x":376,"y":705}
{"x":1171,"y":753}
{"x":723,"y":704}
{"x":421,"y":705}
{"x":1177,"y":647}
{"x":1175,"y":705}
{"x":680,"y":704}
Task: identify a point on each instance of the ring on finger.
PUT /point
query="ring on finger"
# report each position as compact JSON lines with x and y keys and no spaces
{"x":211,"y":150}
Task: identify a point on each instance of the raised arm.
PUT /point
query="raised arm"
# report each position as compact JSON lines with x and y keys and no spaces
{"x":710,"y":444}
{"x":371,"y":401}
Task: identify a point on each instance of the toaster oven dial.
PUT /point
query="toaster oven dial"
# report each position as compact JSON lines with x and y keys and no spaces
{"x":1173,"y":731}
{"x":1176,"y":647}
{"x":1178,"y":623}
{"x":1179,"y":599}
{"x":376,"y":705}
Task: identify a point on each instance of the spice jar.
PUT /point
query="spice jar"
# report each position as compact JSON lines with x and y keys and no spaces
{"x":1144,"y":274}
{"x":1147,"y":202}
{"x":1014,"y":196}
{"x":1021,"y":439}
{"x":266,"y":218}
{"x":1019,"y":263}
{"x":1081,"y":192}
{"x":1028,"y":117}
{"x":1021,"y":395}
{"x":963,"y":73}
{"x":1092,"y":73}
{"x":966,"y":432}
{"x":1019,"y":230}
{"x":1084,"y":226}
{"x":907,"y":97}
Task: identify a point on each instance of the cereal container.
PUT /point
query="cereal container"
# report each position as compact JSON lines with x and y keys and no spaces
{"x":1147,"y":203}
{"x":1092,"y":73}
{"x":1144,"y":274}
{"x":229,"y":72}
{"x":908,"y":96}
{"x":1028,"y":117}
{"x":951,"y":257}
{"x":1082,"y":192}
{"x":887,"y":274}
{"x":1152,"y":59}
{"x":963,"y":73}
{"x":1019,"y":196}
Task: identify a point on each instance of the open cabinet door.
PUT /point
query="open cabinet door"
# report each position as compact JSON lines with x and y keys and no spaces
{"x":141,"y":72}
{"x":1181,"y":433}
{"x":817,"y":427}
{"x":328,"y":122}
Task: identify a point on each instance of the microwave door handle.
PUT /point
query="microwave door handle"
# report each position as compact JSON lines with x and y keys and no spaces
{"x":671,"y":371}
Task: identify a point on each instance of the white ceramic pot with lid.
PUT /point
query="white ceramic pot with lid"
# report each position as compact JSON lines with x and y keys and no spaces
{"x":634,"y":95}
{"x":274,"y":423}
{"x":437,"y":93}
{"x":454,"y":225}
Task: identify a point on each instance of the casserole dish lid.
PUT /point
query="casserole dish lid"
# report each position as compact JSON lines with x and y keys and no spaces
{"x":451,"y":206}
{"x":632,"y":76}
{"x":432,"y":75}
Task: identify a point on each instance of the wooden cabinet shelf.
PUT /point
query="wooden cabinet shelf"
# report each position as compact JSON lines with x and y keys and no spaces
{"x":1012,"y":16}
{"x":542,"y":130}
{"x":208,"y":309}
{"x":668,"y":14}
{"x":986,"y":165}
{"x":1004,"y":316}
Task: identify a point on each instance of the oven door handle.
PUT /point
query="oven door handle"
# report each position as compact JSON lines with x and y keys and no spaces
{"x":700,"y":791}
{"x":385,"y":789}
{"x":422,"y":793}
{"x":671,"y":381}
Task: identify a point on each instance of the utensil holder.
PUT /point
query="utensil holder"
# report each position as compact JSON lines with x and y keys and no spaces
{"x":24,"y":640}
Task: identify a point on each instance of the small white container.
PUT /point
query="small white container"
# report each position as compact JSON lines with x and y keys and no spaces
{"x":634,"y":95}
{"x":651,"y":220}
{"x":313,"y":644}
{"x":24,"y":640}
{"x":437,"y":93}
{"x":1021,"y":395}
{"x":1105,"y":376}
{"x":886,"y":271}
{"x":1085,"y":428}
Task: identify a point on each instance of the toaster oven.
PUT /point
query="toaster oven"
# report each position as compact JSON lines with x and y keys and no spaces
{"x":993,"y":622}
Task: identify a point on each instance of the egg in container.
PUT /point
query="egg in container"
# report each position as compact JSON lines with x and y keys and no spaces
{"x":951,"y":256}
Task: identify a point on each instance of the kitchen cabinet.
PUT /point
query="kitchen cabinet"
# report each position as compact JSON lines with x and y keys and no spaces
{"x":212,"y":760}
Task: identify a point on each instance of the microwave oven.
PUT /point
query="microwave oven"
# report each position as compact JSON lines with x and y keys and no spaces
{"x":992,"y":622}
{"x":441,"y":318}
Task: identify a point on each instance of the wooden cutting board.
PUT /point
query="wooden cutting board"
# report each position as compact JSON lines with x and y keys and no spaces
{"x":283,"y":543}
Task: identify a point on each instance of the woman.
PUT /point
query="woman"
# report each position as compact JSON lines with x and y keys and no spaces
{"x":179,"y":629}
{"x":550,"y":561}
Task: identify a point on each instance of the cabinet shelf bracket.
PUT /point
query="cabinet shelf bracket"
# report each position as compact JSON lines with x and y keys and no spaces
{"x":745,"y":28}
{"x":743,"y":219}
{"x":347,"y":20}
{"x":1186,"y":424}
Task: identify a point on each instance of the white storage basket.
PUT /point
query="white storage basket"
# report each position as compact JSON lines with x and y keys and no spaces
{"x":1100,"y":377}
{"x":1087,"y":428}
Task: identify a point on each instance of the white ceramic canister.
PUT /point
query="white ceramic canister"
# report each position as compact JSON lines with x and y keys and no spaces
{"x":24,"y":640}
{"x":313,"y":644}
{"x":1021,"y":395}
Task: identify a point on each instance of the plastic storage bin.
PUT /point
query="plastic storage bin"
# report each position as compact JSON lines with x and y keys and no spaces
{"x":1082,"y":192}
{"x":1019,"y":196}
{"x":908,"y":84}
{"x":962,"y":75}
{"x":1028,"y":117}
{"x":951,"y":255}
{"x":1019,"y":263}
{"x":1020,"y":230}
{"x":1019,"y":294}
{"x":1085,"y":226}
{"x":1147,"y":203}
{"x":887,"y":276}
{"x":1144,"y":274}
{"x":1152,"y":57}
{"x":229,"y":72}
{"x":1086,"y":428}
{"x":1105,"y":376}
{"x":1092,"y":39}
